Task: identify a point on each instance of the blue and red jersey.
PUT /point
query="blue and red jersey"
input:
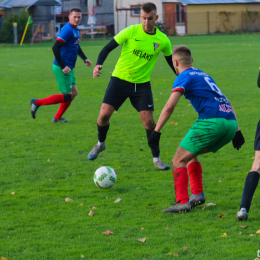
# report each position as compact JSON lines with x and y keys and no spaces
{"x":203,"y":93}
{"x":69,"y":35}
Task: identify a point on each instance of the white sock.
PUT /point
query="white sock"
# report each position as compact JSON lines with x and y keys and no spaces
{"x":156,"y":159}
{"x":99,"y":143}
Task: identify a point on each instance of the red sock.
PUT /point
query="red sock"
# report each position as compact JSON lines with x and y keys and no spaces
{"x":195,"y":172}
{"x":181,"y":180}
{"x":63,"y":107}
{"x":54,"y":99}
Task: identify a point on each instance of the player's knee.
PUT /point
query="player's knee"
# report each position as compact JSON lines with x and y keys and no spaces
{"x":149,"y":123}
{"x":67,"y":97}
{"x":103,"y":119}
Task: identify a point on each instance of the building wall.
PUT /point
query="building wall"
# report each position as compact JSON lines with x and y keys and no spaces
{"x":2,"y":13}
{"x":123,"y":19}
{"x":104,"y":12}
{"x":203,"y":19}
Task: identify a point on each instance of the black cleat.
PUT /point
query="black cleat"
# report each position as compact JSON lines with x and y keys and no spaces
{"x":33,"y":107}
{"x":60,"y":120}
{"x":198,"y":199}
{"x":178,"y":208}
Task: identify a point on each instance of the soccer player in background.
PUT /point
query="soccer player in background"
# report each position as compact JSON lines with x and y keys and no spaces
{"x":215,"y":127}
{"x":142,"y":44}
{"x":65,"y":49}
{"x":252,"y":178}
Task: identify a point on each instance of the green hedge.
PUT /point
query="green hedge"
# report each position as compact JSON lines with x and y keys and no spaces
{"x":7,"y":33}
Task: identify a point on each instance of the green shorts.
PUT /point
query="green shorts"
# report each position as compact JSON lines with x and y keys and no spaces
{"x":211,"y":133}
{"x":65,"y":81}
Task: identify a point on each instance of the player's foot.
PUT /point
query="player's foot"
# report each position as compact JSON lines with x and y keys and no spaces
{"x":197,"y":199}
{"x":60,"y":120}
{"x":33,"y":107}
{"x":161,"y":165}
{"x":178,"y":208}
{"x":242,"y":214}
{"x":98,"y":148}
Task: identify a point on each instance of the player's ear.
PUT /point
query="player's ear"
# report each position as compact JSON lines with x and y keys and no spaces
{"x":156,"y":18}
{"x":191,"y":59}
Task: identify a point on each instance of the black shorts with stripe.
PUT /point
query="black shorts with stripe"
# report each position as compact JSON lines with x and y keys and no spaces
{"x":140,"y":94}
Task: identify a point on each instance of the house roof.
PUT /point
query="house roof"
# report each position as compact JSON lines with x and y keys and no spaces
{"x":207,"y":2}
{"x":28,"y":3}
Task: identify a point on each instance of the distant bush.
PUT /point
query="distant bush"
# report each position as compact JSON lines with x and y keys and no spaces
{"x":7,"y":31}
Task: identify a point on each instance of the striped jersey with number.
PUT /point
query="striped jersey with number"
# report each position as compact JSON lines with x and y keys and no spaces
{"x":203,"y":93}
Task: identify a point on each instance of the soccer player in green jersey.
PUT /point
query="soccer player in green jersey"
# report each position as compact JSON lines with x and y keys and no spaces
{"x":142,"y":44}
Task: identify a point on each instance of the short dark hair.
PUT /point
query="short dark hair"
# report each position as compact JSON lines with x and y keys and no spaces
{"x":149,"y":7}
{"x":183,"y":53}
{"x":77,"y":10}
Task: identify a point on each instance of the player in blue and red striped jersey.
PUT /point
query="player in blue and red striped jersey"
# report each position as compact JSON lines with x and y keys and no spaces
{"x":65,"y":49}
{"x":215,"y":127}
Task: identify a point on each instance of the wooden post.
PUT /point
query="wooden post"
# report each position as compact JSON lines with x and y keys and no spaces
{"x":208,"y":23}
{"x":242,"y":20}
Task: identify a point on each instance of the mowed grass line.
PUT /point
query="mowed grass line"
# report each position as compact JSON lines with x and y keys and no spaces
{"x":44,"y":163}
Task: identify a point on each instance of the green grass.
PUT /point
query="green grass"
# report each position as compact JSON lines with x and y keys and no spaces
{"x":44,"y":163}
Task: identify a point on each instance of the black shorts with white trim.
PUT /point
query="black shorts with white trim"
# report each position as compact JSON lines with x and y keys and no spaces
{"x":140,"y":94}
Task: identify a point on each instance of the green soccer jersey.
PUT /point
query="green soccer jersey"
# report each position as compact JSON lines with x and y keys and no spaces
{"x":139,"y":54}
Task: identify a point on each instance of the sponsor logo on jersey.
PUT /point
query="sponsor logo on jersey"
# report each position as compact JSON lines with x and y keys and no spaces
{"x":155,"y":45}
{"x":140,"y":54}
{"x":225,"y":108}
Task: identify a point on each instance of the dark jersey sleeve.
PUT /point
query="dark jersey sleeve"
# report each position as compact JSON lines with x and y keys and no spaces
{"x":56,"y":51}
{"x":81,"y":54}
{"x":106,"y":50}
{"x":169,"y":60}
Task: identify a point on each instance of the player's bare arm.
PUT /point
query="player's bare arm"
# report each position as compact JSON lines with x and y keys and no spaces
{"x":168,"y":110}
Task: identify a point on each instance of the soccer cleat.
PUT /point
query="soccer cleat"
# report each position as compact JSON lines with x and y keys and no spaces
{"x":178,"y":208}
{"x":242,"y":214}
{"x":197,"y":199}
{"x":161,"y":165}
{"x":61,"y":120}
{"x":33,"y":107}
{"x":98,"y":148}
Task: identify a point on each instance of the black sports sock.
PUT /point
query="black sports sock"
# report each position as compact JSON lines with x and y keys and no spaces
{"x":249,"y":189}
{"x":102,"y":132}
{"x":155,"y":151}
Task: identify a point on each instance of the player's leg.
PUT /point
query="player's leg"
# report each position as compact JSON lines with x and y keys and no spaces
{"x":142,"y":100}
{"x":113,"y":99}
{"x":196,"y":184}
{"x":64,"y":106}
{"x":65,"y":86}
{"x":180,"y":175}
{"x":252,"y":180}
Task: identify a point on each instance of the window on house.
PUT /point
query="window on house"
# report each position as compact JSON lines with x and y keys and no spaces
{"x":180,"y":13}
{"x":136,"y":12}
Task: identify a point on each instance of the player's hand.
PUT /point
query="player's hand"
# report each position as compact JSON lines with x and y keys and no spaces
{"x":88,"y":62}
{"x":66,"y":70}
{"x":238,"y":140}
{"x":154,"y":140}
{"x":96,"y":71}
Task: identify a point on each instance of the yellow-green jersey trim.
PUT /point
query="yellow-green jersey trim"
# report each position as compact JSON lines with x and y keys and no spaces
{"x":139,"y":53}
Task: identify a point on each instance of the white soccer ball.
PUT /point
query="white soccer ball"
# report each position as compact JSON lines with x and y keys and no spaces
{"x":104,"y":177}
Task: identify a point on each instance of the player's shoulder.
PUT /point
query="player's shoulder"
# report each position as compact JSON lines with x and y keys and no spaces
{"x":161,"y":34}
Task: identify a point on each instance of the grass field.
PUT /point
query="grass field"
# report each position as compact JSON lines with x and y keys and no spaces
{"x":44,"y":163}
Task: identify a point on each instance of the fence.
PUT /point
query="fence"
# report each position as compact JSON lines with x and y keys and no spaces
{"x":213,"y":22}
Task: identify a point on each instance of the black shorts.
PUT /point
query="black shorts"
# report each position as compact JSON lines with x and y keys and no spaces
{"x":257,"y":137}
{"x":119,"y":90}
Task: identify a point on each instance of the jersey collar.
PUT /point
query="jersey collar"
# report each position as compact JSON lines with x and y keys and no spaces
{"x":73,"y":26}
